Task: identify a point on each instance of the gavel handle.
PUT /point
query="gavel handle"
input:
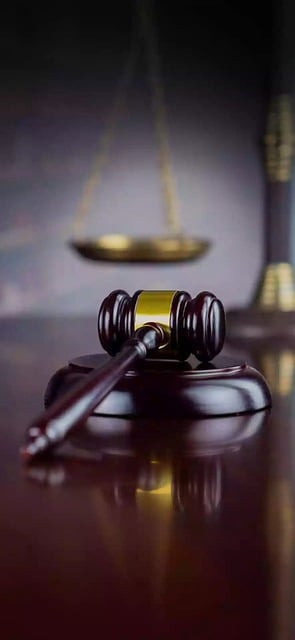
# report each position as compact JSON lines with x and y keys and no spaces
{"x":72,"y":409}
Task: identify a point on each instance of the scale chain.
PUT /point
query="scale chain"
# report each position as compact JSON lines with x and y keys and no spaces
{"x":158,"y":104}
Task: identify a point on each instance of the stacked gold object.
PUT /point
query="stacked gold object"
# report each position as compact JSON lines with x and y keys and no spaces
{"x":276,"y":288}
{"x":271,"y":310}
{"x":279,"y":140}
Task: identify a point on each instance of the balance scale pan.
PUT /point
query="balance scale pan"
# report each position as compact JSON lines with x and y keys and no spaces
{"x":123,"y":248}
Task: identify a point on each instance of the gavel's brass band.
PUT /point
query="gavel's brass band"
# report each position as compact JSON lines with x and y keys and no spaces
{"x":154,"y":306}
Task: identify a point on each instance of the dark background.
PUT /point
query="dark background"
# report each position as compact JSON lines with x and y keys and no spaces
{"x":59,"y":67}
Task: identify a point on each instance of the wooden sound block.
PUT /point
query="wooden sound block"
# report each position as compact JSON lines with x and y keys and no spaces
{"x":171,"y":389}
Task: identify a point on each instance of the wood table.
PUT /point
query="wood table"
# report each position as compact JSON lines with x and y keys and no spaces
{"x":147,"y":538}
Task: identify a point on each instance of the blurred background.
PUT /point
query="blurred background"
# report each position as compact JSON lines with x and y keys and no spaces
{"x":60,"y":68}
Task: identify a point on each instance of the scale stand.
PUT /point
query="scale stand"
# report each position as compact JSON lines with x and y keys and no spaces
{"x":272,"y":311}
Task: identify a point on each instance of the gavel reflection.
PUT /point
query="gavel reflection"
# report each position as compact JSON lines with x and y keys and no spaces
{"x":155,"y":324}
{"x":190,"y":484}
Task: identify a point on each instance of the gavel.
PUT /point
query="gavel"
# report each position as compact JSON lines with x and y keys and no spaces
{"x":155,"y":324}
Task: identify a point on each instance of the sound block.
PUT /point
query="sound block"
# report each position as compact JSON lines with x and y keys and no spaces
{"x":170,"y":389}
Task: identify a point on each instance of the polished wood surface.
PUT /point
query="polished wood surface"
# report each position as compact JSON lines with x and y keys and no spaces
{"x":157,"y":536}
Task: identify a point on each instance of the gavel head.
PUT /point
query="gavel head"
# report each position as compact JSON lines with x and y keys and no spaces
{"x":192,"y":325}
